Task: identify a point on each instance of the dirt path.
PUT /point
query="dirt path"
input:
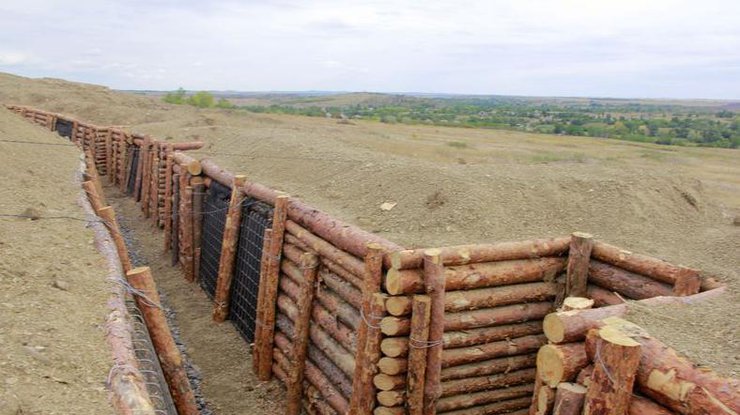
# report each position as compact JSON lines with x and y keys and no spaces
{"x":215,"y":350}
{"x":53,"y":354}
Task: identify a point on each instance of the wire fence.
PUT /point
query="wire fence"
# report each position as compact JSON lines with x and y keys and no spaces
{"x":256,"y":217}
{"x":215,"y":209}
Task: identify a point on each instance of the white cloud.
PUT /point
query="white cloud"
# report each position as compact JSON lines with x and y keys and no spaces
{"x":534,"y":47}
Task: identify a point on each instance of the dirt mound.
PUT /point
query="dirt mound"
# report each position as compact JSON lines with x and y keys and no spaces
{"x":53,"y":355}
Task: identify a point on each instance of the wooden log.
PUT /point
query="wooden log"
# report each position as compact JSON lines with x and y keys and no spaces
{"x":637,"y":263}
{"x":399,"y":305}
{"x":674,"y":381}
{"x":602,"y":297}
{"x":391,"y":398}
{"x":558,"y":363}
{"x":329,"y":368}
{"x":398,"y":346}
{"x":387,"y":382}
{"x":468,"y":400}
{"x":266,"y":243}
{"x":169,"y":356}
{"x":93,"y":195}
{"x":199,"y":192}
{"x":481,"y":383}
{"x":399,"y":326}
{"x":153,"y":206}
{"x":490,"y":367}
{"x":571,"y":326}
{"x":264,"y":343}
{"x":688,"y":282}
{"x":383,"y":410}
{"x":109,"y":219}
{"x":616,"y":360}
{"x":579,"y":254}
{"x":627,"y":283}
{"x":176,"y":219}
{"x":577,"y":303}
{"x":312,"y":373}
{"x":340,"y":332}
{"x":509,"y":347}
{"x":569,"y":399}
{"x":368,"y":334}
{"x":326,"y":249}
{"x":478,"y":275}
{"x":497,"y":296}
{"x":643,"y":406}
{"x":146,"y":179}
{"x":192,"y":165}
{"x":309,"y":265}
{"x":509,"y":407}
{"x":228,"y":253}
{"x":167,"y":216}
{"x":190,"y":145}
{"x":186,"y":226}
{"x":341,"y":357}
{"x":108,"y":142}
{"x":468,"y":254}
{"x":545,"y":401}
{"x":417,"y":360}
{"x":345,"y":290}
{"x":434,"y":282}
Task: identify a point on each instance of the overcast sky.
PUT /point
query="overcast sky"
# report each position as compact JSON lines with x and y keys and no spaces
{"x":622,"y":48}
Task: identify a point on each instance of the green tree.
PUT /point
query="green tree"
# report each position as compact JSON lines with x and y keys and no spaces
{"x":224,"y":103}
{"x":176,"y":97}
{"x":202,"y":99}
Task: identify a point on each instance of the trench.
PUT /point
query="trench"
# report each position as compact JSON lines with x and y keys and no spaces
{"x":217,"y":360}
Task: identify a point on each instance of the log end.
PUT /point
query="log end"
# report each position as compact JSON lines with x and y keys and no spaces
{"x":577,"y":303}
{"x":194,"y":168}
{"x":393,"y":282}
{"x":582,"y":235}
{"x":398,"y":306}
{"x":554,"y":328}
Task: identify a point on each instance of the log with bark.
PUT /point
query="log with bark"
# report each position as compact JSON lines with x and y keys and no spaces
{"x":417,"y":359}
{"x":508,"y":347}
{"x":634,"y":286}
{"x":326,"y":249}
{"x":616,"y":357}
{"x":399,"y":326}
{"x":578,"y":259}
{"x":189,"y":164}
{"x":481,"y":383}
{"x":478,"y":275}
{"x":571,"y":326}
{"x":561,"y":362}
{"x":467,"y":400}
{"x":468,"y":254}
{"x":569,"y":399}
{"x":490,"y":367}
{"x":434,"y":283}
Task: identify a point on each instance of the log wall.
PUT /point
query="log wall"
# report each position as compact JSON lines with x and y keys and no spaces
{"x":474,"y":347}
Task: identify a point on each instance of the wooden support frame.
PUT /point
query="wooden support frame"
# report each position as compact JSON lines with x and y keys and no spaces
{"x":579,"y":256}
{"x":228,"y":251}
{"x":434,"y":280}
{"x":186,"y":227}
{"x":199,"y":191}
{"x":417,"y":359}
{"x":266,"y":340}
{"x":309,"y":266}
{"x":176,"y":222}
{"x":109,"y":218}
{"x":266,"y":244}
{"x":168,"y":203}
{"x":368,"y":334}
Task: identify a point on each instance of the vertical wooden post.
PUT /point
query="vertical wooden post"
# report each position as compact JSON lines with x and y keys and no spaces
{"x":266,"y":244}
{"x":434,"y":281}
{"x":92,"y":173}
{"x":175,"y":234}
{"x":109,"y":155}
{"x":309,"y":266}
{"x":109,"y":219}
{"x":169,"y":356}
{"x":363,"y":398}
{"x":139,"y":170}
{"x":417,"y":359}
{"x":199,"y":191}
{"x":228,"y":251}
{"x":151,"y":207}
{"x":74,"y":139}
{"x":145,"y":171}
{"x":168,"y":203}
{"x":186,"y":226}
{"x":579,"y":256}
{"x":265,"y":342}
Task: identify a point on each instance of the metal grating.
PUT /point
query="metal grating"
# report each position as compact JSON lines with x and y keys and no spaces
{"x":64,"y":128}
{"x":256,"y":217}
{"x":134,"y":163}
{"x":215,"y":208}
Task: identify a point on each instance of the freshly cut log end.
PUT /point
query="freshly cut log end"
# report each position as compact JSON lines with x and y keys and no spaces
{"x":577,"y":303}
{"x":569,"y":399}
{"x":388,"y":382}
{"x":545,"y":400}
{"x":398,"y":305}
{"x":561,"y":363}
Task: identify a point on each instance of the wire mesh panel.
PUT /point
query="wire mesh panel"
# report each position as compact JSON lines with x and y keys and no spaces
{"x":214,"y":220}
{"x":256,"y":217}
{"x":64,"y":128}
{"x":134,"y":163}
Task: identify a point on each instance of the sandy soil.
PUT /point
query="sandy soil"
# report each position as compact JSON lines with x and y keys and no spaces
{"x":53,"y":354}
{"x":455,"y":185}
{"x":215,"y":350}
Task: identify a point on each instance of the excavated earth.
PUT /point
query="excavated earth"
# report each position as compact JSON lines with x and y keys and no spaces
{"x":455,"y":186}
